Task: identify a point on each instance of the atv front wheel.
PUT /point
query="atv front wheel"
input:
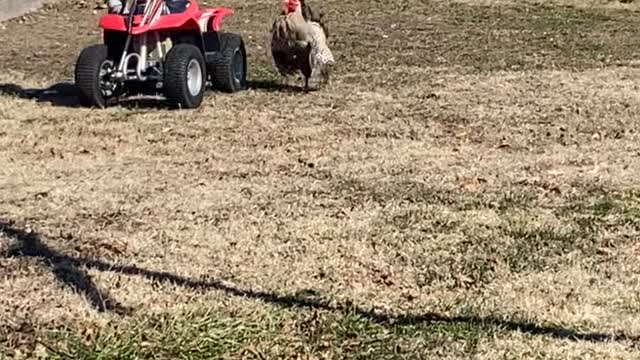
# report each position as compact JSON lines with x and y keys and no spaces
{"x":185,"y":76}
{"x":92,"y":76}
{"x":230,"y":66}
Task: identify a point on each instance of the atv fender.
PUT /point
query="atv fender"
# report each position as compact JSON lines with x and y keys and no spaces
{"x":217,"y":16}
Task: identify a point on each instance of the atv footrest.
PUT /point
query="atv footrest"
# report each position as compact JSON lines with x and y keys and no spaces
{"x":211,"y":57}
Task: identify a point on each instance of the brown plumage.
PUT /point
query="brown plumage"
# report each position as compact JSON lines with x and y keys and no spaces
{"x":299,"y":42}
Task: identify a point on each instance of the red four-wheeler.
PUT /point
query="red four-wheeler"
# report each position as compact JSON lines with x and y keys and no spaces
{"x":150,"y":50}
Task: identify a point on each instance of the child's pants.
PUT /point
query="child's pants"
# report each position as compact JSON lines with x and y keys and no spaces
{"x":170,"y":6}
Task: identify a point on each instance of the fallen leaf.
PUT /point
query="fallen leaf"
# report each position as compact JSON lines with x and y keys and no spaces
{"x":473,"y":184}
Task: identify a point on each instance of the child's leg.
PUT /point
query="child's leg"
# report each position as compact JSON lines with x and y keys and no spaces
{"x":176,"y":6}
{"x":114,"y":6}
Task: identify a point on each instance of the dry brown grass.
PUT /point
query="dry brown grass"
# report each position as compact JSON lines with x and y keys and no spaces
{"x":466,"y":187}
{"x":589,"y":4}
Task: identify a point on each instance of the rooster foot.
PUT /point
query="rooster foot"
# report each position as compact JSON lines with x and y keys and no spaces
{"x":326,"y":74}
{"x":306,"y":85}
{"x":317,"y":79}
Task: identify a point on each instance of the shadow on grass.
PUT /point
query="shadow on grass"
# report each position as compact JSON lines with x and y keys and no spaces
{"x":65,"y":94}
{"x":67,"y":270}
{"x":273,"y":86}
{"x":61,"y":94}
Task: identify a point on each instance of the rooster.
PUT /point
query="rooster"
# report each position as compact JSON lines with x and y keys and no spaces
{"x":299,"y":43}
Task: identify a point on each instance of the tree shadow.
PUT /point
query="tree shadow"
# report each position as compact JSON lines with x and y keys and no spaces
{"x":67,"y":270}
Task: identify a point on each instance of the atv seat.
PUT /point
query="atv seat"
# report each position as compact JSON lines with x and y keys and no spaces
{"x":170,"y":6}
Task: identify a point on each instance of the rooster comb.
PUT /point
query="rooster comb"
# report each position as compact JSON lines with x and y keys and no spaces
{"x":290,"y":5}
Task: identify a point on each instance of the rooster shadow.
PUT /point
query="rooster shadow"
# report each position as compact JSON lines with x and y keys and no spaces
{"x":274,"y":86}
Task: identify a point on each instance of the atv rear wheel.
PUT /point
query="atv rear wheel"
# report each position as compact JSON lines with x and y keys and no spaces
{"x":92,"y":76}
{"x":185,"y":76}
{"x":230,"y":66}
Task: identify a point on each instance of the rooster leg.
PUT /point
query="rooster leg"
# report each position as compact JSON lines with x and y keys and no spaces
{"x":306,"y":84}
{"x":325,"y":76}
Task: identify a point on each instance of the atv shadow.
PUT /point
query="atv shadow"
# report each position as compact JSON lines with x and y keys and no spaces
{"x":61,"y":94}
{"x":142,"y":102}
{"x":65,"y":94}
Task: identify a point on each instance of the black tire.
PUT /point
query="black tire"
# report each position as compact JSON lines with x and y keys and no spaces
{"x":230,"y":66}
{"x":88,"y":79}
{"x":179,"y":60}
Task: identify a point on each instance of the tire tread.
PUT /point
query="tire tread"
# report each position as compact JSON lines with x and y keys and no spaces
{"x":176,"y":89}
{"x":86,"y":73}
{"x":223,"y":71}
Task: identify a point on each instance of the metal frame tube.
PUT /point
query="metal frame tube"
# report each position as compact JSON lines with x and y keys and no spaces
{"x":130,"y":5}
{"x":152,"y":12}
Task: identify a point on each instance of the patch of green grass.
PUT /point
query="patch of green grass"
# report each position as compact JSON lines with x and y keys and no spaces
{"x":202,"y":336}
{"x":355,"y":337}
{"x":281,"y":334}
{"x":422,"y":219}
{"x":533,"y":234}
{"x":603,"y":211}
{"x":586,"y":221}
{"x":262,"y":72}
{"x":357,"y":193}
{"x":598,"y":204}
{"x":532,"y":249}
{"x":527,"y":238}
{"x":502,"y":202}
{"x":554,"y":17}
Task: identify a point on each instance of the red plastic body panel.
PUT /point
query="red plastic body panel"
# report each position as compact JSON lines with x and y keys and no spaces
{"x":218,"y":15}
{"x":190,"y":19}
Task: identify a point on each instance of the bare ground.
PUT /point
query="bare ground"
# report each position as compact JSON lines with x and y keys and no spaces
{"x":466,"y":187}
